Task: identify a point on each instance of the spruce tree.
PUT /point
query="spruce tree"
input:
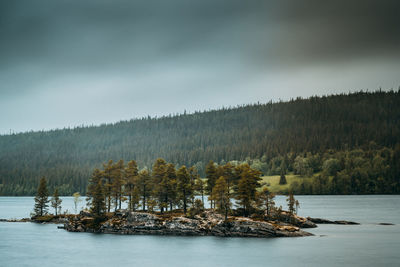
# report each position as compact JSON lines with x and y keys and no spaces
{"x":171,"y":185}
{"x":183,"y":186}
{"x":108,"y":182}
{"x":266,"y":199}
{"x":199,"y":187}
{"x":41,"y":198}
{"x":247,"y":187}
{"x":95,"y":179}
{"x":56,"y":201}
{"x":221,"y":196}
{"x":160,"y":181}
{"x":130,"y":177}
{"x":291,"y":203}
{"x":97,"y":203}
{"x":144,"y":184}
{"x":117,"y":183}
{"x":211,"y":175}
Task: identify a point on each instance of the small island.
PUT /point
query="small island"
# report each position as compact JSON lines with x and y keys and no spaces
{"x":172,"y":203}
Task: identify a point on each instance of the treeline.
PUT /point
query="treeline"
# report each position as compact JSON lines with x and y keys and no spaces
{"x":253,"y":132}
{"x":372,"y":171}
{"x":166,"y":188}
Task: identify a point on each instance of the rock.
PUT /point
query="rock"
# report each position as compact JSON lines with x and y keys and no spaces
{"x":386,"y":224}
{"x":296,"y":220}
{"x":325,"y":221}
{"x":209,"y":223}
{"x":16,"y":220}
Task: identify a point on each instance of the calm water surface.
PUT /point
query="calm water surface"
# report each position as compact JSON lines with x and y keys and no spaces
{"x":29,"y":244}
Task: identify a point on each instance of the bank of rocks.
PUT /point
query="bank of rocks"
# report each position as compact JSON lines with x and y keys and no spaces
{"x":209,"y":223}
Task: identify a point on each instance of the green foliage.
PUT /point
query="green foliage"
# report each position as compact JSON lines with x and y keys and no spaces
{"x":247,"y":187}
{"x":41,"y":198}
{"x":184,"y":186}
{"x":221,"y":196}
{"x":144,"y":186}
{"x":56,"y":202}
{"x":282,"y":180}
{"x":130,"y":181}
{"x":265,"y":200}
{"x":97,"y":203}
{"x":263,"y":135}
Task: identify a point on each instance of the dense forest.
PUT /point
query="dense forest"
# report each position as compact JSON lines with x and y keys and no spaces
{"x":348,"y":142}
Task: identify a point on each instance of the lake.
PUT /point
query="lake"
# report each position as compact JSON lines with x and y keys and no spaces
{"x":368,"y":244}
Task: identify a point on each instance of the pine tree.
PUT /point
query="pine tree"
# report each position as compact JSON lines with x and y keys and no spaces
{"x":97,"y":202}
{"x":200,"y":187}
{"x":221,"y":196}
{"x":108,"y":181}
{"x":282,"y":180}
{"x":194,"y":176}
{"x":130,"y":177}
{"x":171,"y":184}
{"x":41,"y":199}
{"x":183,"y":186}
{"x":267,"y":202}
{"x":211,"y":175}
{"x":95,"y":179}
{"x":160,"y":180}
{"x":247,"y":187}
{"x":56,"y":201}
{"x":143,"y":184}
{"x":291,"y":203}
{"x":117,"y":183}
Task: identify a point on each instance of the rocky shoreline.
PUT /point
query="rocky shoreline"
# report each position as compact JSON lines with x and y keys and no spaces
{"x":209,"y":223}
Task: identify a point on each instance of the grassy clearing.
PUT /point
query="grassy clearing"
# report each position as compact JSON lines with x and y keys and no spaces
{"x":272,"y":182}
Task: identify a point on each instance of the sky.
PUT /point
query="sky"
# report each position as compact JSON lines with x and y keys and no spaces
{"x":81,"y":62}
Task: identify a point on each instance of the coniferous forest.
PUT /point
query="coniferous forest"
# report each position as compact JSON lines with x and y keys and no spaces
{"x":348,"y":144}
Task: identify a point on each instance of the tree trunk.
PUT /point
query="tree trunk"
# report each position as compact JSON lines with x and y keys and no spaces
{"x":184,"y":202}
{"x":144,"y":202}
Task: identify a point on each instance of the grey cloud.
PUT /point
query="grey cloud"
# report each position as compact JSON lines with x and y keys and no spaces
{"x":223,"y":52}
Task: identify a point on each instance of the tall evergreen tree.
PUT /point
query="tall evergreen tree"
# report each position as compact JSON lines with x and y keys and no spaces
{"x":108,"y":182}
{"x":291,"y":201}
{"x":159,"y":181}
{"x":97,"y":202}
{"x":95,"y":179}
{"x":41,"y":199}
{"x":56,"y":201}
{"x":221,"y":196}
{"x":183,"y":186}
{"x":130,"y":177}
{"x":144,"y":184}
{"x":200,"y":188}
{"x":211,"y":175}
{"x":247,"y":187}
{"x":266,"y":198}
{"x":117,"y":183}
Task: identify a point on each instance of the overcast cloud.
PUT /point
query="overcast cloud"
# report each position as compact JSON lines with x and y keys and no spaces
{"x":67,"y":63}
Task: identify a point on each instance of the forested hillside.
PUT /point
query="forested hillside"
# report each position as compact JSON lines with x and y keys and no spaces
{"x":267,"y":134}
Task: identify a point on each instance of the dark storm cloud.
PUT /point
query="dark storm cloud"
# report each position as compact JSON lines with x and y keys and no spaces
{"x":159,"y":57}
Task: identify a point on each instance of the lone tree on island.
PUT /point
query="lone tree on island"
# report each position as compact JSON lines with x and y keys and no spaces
{"x":292,"y":205}
{"x":56,"y":201}
{"x":41,"y":198}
